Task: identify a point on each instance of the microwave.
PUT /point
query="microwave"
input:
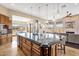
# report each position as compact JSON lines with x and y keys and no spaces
{"x":3,"y":30}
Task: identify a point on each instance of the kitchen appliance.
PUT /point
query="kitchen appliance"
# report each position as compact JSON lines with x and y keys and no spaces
{"x":3,"y":29}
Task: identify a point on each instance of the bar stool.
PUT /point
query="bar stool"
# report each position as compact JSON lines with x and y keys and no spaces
{"x":60,"y":46}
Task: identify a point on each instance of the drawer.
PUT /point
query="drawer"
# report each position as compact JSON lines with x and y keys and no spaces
{"x":9,"y":39}
{"x":3,"y":41}
{"x":28,"y":42}
{"x":35,"y":53}
{"x":27,"y":47}
{"x":23,"y":40}
{"x":9,"y":35}
{"x":27,"y":53}
{"x":36,"y":47}
{"x":4,"y":36}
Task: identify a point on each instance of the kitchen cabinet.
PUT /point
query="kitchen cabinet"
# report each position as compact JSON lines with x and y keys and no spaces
{"x":33,"y":48}
{"x":8,"y":21}
{"x":9,"y":38}
{"x":5,"y":38}
{"x":36,"y":50}
{"x":5,"y":20}
{"x":2,"y":19}
{"x":28,"y":47}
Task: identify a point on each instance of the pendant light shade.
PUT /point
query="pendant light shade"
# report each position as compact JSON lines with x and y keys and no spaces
{"x":47,"y":10}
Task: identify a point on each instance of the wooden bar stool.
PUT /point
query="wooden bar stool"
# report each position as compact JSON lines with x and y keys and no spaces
{"x":60,"y":46}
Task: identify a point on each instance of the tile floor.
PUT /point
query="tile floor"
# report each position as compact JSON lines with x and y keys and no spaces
{"x":11,"y":49}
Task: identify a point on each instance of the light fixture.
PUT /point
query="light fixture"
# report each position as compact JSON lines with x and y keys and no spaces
{"x":47,"y":10}
{"x":69,"y":13}
{"x":58,"y":11}
{"x":39,"y":11}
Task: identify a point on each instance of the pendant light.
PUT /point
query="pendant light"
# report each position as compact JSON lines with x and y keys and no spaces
{"x":47,"y":10}
{"x":58,"y":10}
{"x":39,"y":10}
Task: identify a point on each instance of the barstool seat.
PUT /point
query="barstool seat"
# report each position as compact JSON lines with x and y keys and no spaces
{"x":60,"y":46}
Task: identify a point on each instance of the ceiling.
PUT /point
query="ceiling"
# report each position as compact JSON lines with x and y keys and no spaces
{"x":48,"y":11}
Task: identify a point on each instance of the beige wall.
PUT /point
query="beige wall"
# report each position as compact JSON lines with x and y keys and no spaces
{"x":4,"y":11}
{"x":75,"y":19}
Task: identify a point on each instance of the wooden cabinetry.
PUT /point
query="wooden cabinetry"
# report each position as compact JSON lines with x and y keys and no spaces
{"x":29,"y":48}
{"x":33,"y":48}
{"x":25,"y":45}
{"x":0,"y":39}
{"x":8,"y":21}
{"x":4,"y":39}
{"x":5,"y":20}
{"x":2,"y":19}
{"x":9,"y":38}
{"x":36,"y":50}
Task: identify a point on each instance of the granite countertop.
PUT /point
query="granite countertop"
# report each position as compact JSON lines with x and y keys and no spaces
{"x":40,"y":39}
{"x":4,"y":33}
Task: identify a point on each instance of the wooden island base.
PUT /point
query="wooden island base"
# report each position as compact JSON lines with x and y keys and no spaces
{"x":31,"y":48}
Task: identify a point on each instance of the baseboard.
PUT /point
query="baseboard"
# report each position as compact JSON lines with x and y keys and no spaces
{"x":74,"y":45}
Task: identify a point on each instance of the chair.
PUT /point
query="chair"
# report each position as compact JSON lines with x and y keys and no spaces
{"x":61,"y":45}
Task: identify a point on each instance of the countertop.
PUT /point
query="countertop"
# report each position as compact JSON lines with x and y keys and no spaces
{"x":43,"y":40}
{"x":5,"y":33}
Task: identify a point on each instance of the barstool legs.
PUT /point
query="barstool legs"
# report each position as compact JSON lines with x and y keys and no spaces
{"x":59,"y":48}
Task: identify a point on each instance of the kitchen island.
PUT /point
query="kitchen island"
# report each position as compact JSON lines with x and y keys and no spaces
{"x":37,"y":45}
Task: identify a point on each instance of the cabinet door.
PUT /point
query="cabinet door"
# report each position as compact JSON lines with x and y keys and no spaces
{"x":26,"y":49}
{"x":2,"y":19}
{"x":9,"y":38}
{"x":36,"y":50}
{"x":3,"y":39}
{"x":7,"y":21}
{"x":0,"y":39}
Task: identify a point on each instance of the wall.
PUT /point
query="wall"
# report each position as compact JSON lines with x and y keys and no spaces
{"x":75,"y":19}
{"x":4,"y":11}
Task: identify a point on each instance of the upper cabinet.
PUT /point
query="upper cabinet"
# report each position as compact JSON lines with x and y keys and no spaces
{"x":8,"y":21}
{"x":5,"y":20}
{"x":2,"y":19}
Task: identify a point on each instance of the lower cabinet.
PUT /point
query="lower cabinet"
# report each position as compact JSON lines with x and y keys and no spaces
{"x":9,"y":38}
{"x":26,"y":52}
{"x":29,"y":48}
{"x":4,"y":39}
{"x":36,"y":50}
{"x":26,"y":49}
